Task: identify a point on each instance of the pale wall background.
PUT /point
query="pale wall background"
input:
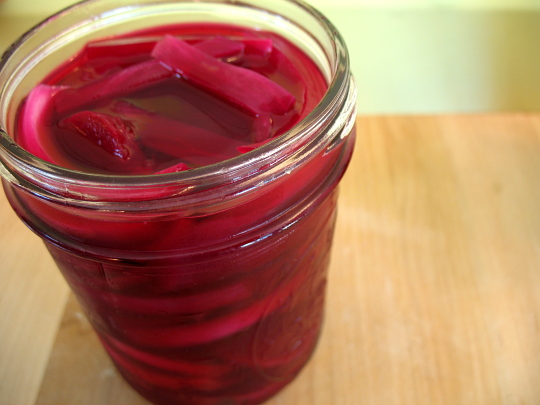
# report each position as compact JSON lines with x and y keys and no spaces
{"x":411,"y":56}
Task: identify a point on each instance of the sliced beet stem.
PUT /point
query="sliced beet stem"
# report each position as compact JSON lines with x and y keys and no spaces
{"x":245,"y":88}
{"x":130,"y":79}
{"x":221,"y":47}
{"x":33,"y":115}
{"x":179,"y":167}
{"x":175,"y":138}
{"x":218,"y":47}
{"x":258,"y":46}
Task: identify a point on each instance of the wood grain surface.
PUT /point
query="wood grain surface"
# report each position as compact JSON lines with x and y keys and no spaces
{"x":434,"y":293}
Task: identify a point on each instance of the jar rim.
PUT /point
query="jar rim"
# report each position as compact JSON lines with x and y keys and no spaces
{"x":311,"y":134}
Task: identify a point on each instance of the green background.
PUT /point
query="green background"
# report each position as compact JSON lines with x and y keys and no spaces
{"x":411,"y":56}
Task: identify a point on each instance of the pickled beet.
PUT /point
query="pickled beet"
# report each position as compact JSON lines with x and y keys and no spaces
{"x":179,"y":167}
{"x":221,"y":47}
{"x":181,"y":140}
{"x":197,"y":101}
{"x":111,"y":133}
{"x":118,"y":84}
{"x":204,"y":306}
{"x":34,"y":119}
{"x":133,"y":47}
{"x":250,"y":90}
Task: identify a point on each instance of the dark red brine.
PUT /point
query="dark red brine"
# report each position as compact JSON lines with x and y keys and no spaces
{"x":216,"y":304}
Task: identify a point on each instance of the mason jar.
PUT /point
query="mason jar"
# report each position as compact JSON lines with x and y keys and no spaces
{"x":205,"y":286}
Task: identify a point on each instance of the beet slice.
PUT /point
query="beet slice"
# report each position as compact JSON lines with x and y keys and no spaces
{"x":245,"y":88}
{"x":258,"y":46}
{"x":185,"y":141}
{"x":34,"y":114}
{"x":120,"y":47}
{"x":176,"y":138}
{"x":167,"y":362}
{"x":111,"y":133}
{"x":261,"y":129}
{"x":155,"y":306}
{"x":218,"y":47}
{"x":231,"y":121}
{"x":213,"y":329}
{"x":221,"y":47}
{"x":133,"y":78}
{"x":179,"y":167}
{"x":165,"y":379}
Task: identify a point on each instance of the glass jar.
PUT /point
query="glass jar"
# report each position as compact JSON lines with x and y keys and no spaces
{"x":205,"y":286}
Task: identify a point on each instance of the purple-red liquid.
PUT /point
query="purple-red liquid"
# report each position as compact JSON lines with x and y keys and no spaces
{"x":148,"y":103}
{"x":207,"y":308}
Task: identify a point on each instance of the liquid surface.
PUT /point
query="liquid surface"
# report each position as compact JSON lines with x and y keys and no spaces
{"x":169,"y":99}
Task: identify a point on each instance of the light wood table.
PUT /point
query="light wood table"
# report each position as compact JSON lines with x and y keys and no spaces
{"x":434,"y":293}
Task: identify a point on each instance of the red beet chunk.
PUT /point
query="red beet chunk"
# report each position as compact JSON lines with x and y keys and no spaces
{"x":221,"y":47}
{"x":245,"y":88}
{"x":217,"y":114}
{"x":34,"y":115}
{"x":179,"y":167}
{"x":176,"y":138}
{"x":172,"y":363}
{"x":185,"y":141}
{"x":155,"y":305}
{"x":109,"y":132}
{"x":130,"y":79}
{"x":167,"y":380}
{"x":261,"y":128}
{"x":120,"y":47}
{"x":218,"y":47}
{"x":198,"y":333}
{"x":258,"y":46}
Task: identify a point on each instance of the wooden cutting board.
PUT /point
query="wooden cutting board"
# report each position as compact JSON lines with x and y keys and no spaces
{"x":434,"y":293}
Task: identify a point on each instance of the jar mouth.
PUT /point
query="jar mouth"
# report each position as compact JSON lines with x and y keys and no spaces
{"x":322,"y":127}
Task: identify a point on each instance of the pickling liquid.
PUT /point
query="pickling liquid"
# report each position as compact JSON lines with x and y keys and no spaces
{"x":207,"y":308}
